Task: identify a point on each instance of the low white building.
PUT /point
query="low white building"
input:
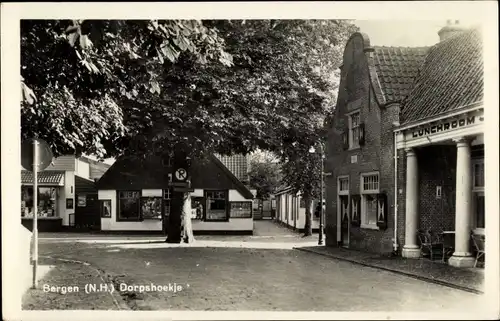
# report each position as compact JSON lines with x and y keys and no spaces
{"x":57,"y":192}
{"x":291,"y":210}
{"x":135,"y":195}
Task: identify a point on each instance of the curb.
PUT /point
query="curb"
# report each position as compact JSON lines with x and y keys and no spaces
{"x":418,"y":277}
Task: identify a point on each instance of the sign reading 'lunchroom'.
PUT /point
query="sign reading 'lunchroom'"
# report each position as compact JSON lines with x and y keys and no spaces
{"x":457,"y":123}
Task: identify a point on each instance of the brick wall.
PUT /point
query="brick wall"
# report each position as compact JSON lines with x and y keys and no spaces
{"x":437,"y":167}
{"x":401,"y":190}
{"x":355,"y":92}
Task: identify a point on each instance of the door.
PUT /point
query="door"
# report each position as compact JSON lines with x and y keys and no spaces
{"x":87,"y":212}
{"x":344,"y":225}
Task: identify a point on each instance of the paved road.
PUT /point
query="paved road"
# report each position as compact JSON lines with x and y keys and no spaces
{"x":250,"y":278}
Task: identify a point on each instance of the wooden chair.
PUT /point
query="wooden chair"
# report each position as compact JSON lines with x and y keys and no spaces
{"x":430,"y":243}
{"x":479,"y":242}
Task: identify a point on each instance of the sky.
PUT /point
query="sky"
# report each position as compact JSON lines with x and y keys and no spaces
{"x":406,"y":33}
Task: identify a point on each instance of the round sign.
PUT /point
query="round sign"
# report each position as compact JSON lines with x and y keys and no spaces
{"x":45,"y":155}
{"x":181,"y":174}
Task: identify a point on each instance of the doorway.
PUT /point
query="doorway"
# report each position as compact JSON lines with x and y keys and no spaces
{"x":344,"y":224}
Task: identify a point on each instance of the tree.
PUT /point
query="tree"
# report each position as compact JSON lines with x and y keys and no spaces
{"x":77,"y":75}
{"x":302,"y":172}
{"x":264,"y":175}
{"x":146,"y":87}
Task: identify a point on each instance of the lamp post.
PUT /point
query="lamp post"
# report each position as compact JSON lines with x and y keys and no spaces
{"x":312,"y":150}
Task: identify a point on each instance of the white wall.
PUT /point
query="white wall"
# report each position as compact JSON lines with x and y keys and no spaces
{"x":300,"y":213}
{"x":152,"y":193}
{"x":82,"y":169}
{"x":110,"y":224}
{"x":68,"y":191}
{"x":197,"y":193}
{"x":235,"y":196}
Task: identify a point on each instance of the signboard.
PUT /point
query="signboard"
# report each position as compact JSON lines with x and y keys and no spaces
{"x":45,"y":155}
{"x":463,"y":121}
{"x":179,"y":184}
{"x":181,"y":174}
{"x":183,"y":189}
{"x":82,"y":201}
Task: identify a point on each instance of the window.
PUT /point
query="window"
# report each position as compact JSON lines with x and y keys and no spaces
{"x":354,"y":121}
{"x":47,"y":202}
{"x":302,"y":202}
{"x":369,"y":200}
{"x":479,"y":202}
{"x":105,"y":206}
{"x":343,"y":184}
{"x":129,"y":205}
{"x":216,"y":206}
{"x":241,"y":210}
{"x":196,"y":208}
{"x":151,"y":208}
{"x":166,"y":202}
{"x":478,"y":191}
{"x":478,"y":174}
{"x":370,"y":183}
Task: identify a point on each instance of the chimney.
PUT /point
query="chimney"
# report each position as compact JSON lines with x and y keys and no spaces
{"x":451,"y":29}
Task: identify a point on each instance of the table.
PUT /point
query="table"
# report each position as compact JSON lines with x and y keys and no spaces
{"x":448,"y":242}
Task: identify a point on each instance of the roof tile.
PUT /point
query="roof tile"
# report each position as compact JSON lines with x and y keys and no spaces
{"x":397,"y":68}
{"x":450,"y":78}
{"x":45,"y":177}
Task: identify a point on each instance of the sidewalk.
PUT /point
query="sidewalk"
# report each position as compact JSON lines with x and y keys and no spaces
{"x":470,"y":280}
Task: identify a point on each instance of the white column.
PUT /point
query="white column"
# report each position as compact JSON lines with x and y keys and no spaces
{"x":462,"y":257}
{"x":411,"y":248}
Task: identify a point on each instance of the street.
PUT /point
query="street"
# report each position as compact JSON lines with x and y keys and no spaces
{"x":227,"y":273}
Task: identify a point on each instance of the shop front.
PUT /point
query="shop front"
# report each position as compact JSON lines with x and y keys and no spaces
{"x":445,"y":185}
{"x":137,"y":195}
{"x":50,"y":184}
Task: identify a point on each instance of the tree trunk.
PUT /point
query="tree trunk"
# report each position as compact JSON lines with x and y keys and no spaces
{"x":187,"y":234}
{"x":174,"y":227}
{"x":308,"y":225}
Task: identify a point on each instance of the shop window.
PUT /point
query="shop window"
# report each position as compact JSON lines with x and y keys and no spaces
{"x":354,"y":122}
{"x":47,"y":201}
{"x":241,"y":210}
{"x":129,"y":205}
{"x":197,"y":208}
{"x":216,"y":206}
{"x":369,"y":200}
{"x":151,"y":208}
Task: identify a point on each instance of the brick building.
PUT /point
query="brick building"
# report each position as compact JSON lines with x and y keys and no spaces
{"x":423,"y":98}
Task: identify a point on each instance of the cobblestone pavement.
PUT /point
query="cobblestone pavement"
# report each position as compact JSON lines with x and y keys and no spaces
{"x":234,"y":278}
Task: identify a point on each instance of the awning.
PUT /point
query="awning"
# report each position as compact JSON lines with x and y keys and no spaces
{"x":46,"y":178}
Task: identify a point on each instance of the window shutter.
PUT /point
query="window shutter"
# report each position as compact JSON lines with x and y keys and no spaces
{"x":361,"y":134}
{"x":382,"y":211}
{"x":345,"y":140}
{"x":355,"y":210}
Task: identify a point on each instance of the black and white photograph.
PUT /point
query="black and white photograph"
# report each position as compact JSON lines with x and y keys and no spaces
{"x":279,"y":160}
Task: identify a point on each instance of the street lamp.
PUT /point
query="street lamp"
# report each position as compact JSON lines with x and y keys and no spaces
{"x":321,"y":152}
